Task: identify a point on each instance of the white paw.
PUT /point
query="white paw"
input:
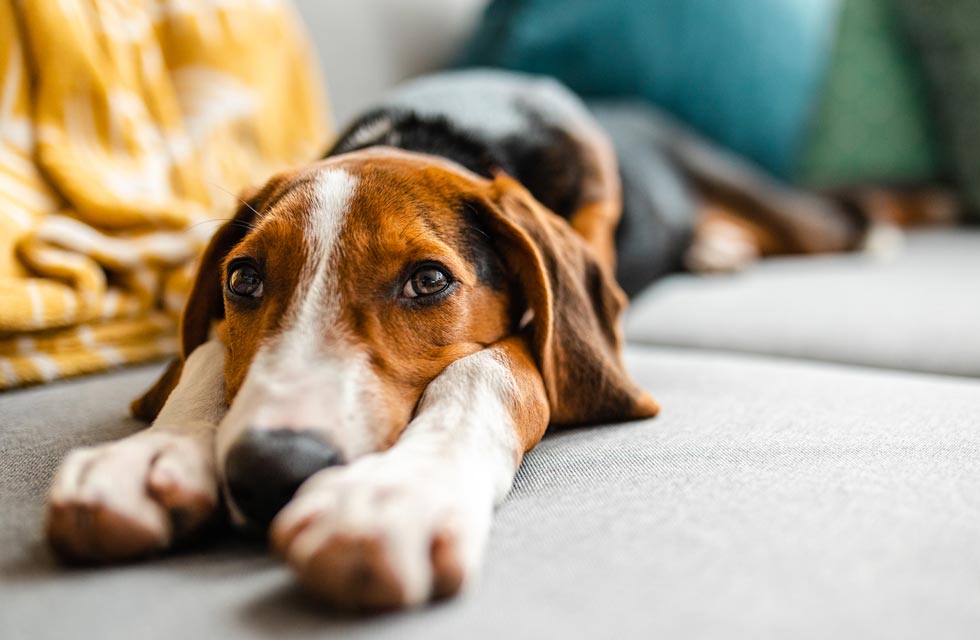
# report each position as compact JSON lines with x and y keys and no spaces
{"x":132,"y":497}
{"x":720,"y":250}
{"x":378,"y":535}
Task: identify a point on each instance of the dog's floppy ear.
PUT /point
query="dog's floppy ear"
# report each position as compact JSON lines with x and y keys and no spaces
{"x":205,"y":305}
{"x":576,"y":306}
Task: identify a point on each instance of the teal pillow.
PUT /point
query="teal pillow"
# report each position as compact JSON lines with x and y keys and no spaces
{"x":743,"y":73}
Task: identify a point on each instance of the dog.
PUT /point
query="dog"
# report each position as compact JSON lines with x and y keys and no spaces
{"x":375,"y":340}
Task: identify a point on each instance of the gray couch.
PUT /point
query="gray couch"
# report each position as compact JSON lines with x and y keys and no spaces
{"x":815,"y":471}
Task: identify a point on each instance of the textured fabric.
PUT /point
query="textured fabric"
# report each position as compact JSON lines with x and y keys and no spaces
{"x":743,"y":73}
{"x":873,"y":122}
{"x":917,"y":310}
{"x":948,"y":35}
{"x":770,"y":499}
{"x":126,"y":128}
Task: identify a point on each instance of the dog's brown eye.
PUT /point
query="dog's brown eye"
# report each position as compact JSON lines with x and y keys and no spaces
{"x":426,"y":281}
{"x":245,"y":281}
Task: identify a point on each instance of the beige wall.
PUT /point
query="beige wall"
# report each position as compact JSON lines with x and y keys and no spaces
{"x":366,"y":46}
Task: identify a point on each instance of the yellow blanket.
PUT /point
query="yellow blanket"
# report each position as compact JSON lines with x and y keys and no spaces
{"x":126,"y":126}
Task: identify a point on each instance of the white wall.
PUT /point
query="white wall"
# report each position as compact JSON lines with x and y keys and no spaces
{"x":366,"y":46}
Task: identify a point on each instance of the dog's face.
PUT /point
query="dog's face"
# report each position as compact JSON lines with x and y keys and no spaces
{"x":359,"y":280}
{"x":343,"y":289}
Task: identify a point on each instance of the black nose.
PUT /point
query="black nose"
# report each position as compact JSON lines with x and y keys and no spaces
{"x":265,"y":467}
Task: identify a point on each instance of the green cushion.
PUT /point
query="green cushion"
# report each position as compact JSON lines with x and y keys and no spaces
{"x":873,"y":122}
{"x":948,"y":34}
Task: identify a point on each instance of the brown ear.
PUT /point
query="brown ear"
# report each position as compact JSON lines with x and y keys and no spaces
{"x":204,"y":306}
{"x":206,"y":303}
{"x":576,"y":307}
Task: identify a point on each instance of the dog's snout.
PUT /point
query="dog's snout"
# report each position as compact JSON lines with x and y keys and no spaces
{"x":264,"y":468}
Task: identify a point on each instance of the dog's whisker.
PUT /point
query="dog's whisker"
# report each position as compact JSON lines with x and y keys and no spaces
{"x":480,"y":231}
{"x":197,"y":224}
{"x":244,"y":223}
{"x":235,"y":196}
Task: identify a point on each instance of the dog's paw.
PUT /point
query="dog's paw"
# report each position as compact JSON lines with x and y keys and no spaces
{"x":372,"y":536}
{"x":720,"y":249}
{"x":131,"y":498}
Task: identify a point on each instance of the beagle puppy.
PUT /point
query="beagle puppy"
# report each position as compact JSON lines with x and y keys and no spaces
{"x":372,"y":344}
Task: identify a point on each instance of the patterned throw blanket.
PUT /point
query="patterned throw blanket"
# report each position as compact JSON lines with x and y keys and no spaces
{"x":126,"y":129}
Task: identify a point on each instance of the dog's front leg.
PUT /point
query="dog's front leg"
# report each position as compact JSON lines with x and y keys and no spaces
{"x":406,"y":525}
{"x":141,"y":494}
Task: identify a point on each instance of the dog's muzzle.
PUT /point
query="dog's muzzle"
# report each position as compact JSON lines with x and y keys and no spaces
{"x":265,"y":467}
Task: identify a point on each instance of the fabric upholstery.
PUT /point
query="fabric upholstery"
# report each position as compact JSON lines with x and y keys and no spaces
{"x":126,"y":131}
{"x":916,"y":310}
{"x":771,"y":499}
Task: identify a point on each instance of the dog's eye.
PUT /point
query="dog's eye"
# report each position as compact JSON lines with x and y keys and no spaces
{"x":245,"y":281}
{"x":427,"y":281}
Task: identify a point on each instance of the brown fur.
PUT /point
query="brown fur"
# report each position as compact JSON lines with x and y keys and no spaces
{"x":408,"y":208}
{"x":529,"y":407}
{"x":147,"y":406}
{"x":904,"y":206}
{"x":600,"y":209}
{"x":577,"y":306}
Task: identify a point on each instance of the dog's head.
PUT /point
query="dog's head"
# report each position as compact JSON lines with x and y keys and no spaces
{"x":343,"y":288}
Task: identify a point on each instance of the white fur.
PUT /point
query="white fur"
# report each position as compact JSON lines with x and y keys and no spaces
{"x":334,"y":191}
{"x":309,"y":377}
{"x":176,"y":455}
{"x":466,"y":409}
{"x":198,"y":400}
{"x":883,"y":241}
{"x":371,"y":132}
{"x":454,"y":461}
{"x":719,"y":249}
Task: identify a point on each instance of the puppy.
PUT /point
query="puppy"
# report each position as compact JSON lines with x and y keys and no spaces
{"x":375,"y":340}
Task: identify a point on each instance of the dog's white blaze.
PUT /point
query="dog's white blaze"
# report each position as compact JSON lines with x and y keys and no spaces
{"x":315,"y":299}
{"x":308,"y":377}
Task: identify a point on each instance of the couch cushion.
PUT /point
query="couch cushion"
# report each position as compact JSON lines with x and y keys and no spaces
{"x":771,"y":498}
{"x":919,"y":310}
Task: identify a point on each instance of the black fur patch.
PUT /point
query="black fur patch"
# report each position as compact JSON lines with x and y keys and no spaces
{"x":544,"y":158}
{"x":407,"y":130}
{"x":548,"y":162}
{"x":478,"y":249}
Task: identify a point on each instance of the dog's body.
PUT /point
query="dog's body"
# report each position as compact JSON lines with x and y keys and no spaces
{"x":393,"y":328}
{"x":533,"y":129}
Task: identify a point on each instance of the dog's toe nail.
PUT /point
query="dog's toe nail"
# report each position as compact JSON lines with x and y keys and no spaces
{"x":447,"y":572}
